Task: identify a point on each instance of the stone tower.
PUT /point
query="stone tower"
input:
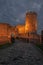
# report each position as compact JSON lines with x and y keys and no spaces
{"x":31,"y":22}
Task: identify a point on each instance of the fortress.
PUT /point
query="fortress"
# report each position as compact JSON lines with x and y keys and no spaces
{"x":30,"y":23}
{"x":29,"y":27}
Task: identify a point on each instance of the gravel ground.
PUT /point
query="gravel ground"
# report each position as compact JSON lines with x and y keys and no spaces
{"x":21,"y":53}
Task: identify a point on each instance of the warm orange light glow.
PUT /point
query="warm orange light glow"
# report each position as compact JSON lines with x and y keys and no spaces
{"x":29,"y":26}
{"x":21,"y":30}
{"x":31,"y":22}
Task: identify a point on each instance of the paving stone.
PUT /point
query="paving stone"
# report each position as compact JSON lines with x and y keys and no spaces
{"x":21,"y":53}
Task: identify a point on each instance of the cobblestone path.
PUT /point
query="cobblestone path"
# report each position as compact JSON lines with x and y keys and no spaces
{"x":21,"y":54}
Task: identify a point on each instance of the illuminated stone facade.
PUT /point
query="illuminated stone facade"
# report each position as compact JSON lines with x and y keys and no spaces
{"x":30,"y":26}
{"x":6,"y":29}
{"x":21,"y":29}
{"x":31,"y":22}
{"x":3,"y":29}
{"x":5,"y":32}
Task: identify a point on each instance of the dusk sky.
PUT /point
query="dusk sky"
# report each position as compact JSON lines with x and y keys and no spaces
{"x":13,"y":11}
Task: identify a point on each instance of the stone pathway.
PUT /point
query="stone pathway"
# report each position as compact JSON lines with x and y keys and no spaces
{"x":21,"y":54}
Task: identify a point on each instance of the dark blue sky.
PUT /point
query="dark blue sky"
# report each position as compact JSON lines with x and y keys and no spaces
{"x":13,"y":11}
